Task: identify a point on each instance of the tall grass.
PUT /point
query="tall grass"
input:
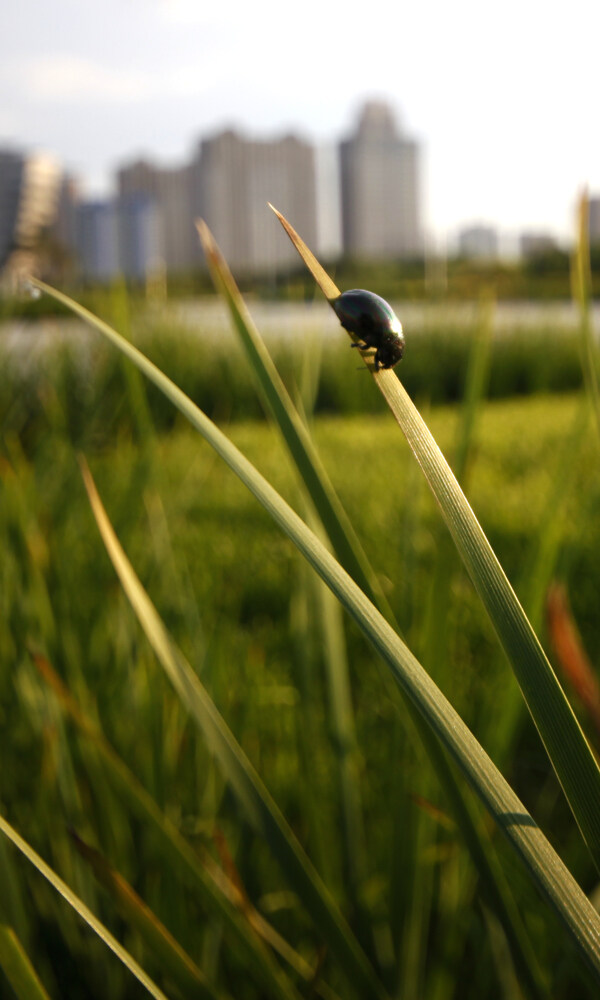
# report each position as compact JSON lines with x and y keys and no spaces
{"x":83,"y":380}
{"x":101,"y":747}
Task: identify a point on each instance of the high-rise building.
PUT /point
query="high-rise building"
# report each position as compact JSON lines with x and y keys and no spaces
{"x":140,"y":237}
{"x":29,"y":185}
{"x":98,"y":239}
{"x":12,"y":166}
{"x":171,"y":190}
{"x":233,"y":180}
{"x":594,"y":220}
{"x":64,"y":227}
{"x":478,"y":242}
{"x":379,"y":167}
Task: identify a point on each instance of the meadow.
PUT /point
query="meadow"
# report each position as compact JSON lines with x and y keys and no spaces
{"x":91,"y":725}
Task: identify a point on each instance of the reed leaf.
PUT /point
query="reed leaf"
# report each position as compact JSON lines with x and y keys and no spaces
{"x":581,"y":282}
{"x":17,"y":967}
{"x":294,"y":431}
{"x":260,"y":809}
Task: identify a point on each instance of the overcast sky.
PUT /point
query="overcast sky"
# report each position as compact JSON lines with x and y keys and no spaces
{"x":503,"y":97}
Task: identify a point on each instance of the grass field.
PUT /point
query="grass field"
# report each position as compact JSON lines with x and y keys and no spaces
{"x":249,"y":616}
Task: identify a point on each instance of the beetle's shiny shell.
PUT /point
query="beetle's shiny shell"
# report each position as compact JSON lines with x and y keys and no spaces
{"x":373,"y":320}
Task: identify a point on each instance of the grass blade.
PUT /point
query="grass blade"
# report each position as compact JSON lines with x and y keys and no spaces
{"x":581,"y":280}
{"x":476,"y":382}
{"x":79,"y":906}
{"x":17,"y":967}
{"x":260,"y":808}
{"x":350,"y":554}
{"x":341,"y":534}
{"x":294,"y":431}
{"x":327,"y":286}
{"x":570,"y":754}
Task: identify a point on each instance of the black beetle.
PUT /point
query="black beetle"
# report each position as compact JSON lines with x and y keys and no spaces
{"x":370,"y":318}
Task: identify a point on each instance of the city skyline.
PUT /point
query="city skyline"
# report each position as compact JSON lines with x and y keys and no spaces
{"x":503,"y":109}
{"x":145,"y":228}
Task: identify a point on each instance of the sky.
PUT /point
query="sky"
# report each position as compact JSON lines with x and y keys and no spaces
{"x":503,"y":98}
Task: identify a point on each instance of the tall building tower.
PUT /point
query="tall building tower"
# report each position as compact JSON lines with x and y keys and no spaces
{"x":478,"y":242}
{"x":594,"y":220}
{"x":140,"y":237}
{"x":98,"y":239}
{"x":29,"y":187}
{"x":171,"y":190}
{"x":379,"y":170}
{"x":235,"y":178}
{"x":12,"y":166}
{"x":64,"y":227}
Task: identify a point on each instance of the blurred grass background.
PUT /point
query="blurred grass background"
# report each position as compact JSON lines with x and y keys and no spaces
{"x":238,"y":601}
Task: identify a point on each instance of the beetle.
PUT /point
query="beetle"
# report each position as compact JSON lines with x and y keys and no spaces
{"x":373,"y":320}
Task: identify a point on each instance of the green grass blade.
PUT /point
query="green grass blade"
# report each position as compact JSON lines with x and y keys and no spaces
{"x":544,"y":866}
{"x":554,"y":521}
{"x":342,"y":713}
{"x":570,"y":754}
{"x":341,"y":534}
{"x":477,"y":842}
{"x":476,"y":382}
{"x":260,"y":808}
{"x":84,"y":912}
{"x":13,"y":908}
{"x":327,"y":286}
{"x":350,"y":555}
{"x":561,"y":734}
{"x":18,"y":968}
{"x":294,"y":431}
{"x":581,"y":281}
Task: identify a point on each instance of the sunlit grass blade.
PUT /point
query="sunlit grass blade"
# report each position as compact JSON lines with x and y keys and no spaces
{"x":437,"y":613}
{"x":241,"y":920}
{"x":327,"y":286}
{"x":492,"y":882}
{"x":554,"y":521}
{"x":349,"y":553}
{"x":294,"y":431}
{"x":543,"y":864}
{"x":172,"y":959}
{"x":260,"y":809}
{"x":475,"y":384}
{"x":566,"y":745}
{"x":13,"y":908}
{"x":80,"y":908}
{"x":18,"y":969}
{"x":312,"y":736}
{"x":552,"y":527}
{"x":340,"y":532}
{"x":581,"y":280}
{"x":345,"y":734}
